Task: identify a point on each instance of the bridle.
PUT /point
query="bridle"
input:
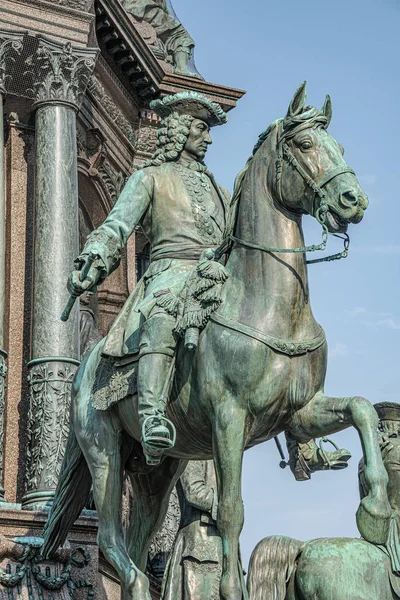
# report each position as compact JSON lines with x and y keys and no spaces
{"x":285,"y":155}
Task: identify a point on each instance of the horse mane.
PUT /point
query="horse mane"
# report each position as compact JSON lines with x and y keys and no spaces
{"x":272,"y":564}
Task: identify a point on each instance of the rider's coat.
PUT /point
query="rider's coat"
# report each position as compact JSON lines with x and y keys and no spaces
{"x":182,"y":211}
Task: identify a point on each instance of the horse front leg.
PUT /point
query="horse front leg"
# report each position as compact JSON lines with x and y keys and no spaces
{"x":228,"y":447}
{"x":324,"y":415}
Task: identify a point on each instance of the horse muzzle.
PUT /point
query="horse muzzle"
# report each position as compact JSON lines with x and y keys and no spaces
{"x":352,"y":205}
{"x":349,"y":208}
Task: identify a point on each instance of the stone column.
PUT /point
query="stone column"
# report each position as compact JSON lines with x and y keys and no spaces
{"x":10,"y":46}
{"x":60,"y":76}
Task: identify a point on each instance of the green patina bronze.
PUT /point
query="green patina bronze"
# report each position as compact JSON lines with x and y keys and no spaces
{"x":337,"y":568}
{"x":260,"y":364}
{"x":195,"y":564}
{"x":177,"y":41}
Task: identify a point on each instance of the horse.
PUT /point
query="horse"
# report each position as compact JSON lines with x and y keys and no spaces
{"x":283,"y":568}
{"x":258,"y":370}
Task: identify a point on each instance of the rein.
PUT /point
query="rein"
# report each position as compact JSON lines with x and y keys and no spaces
{"x":285,"y":154}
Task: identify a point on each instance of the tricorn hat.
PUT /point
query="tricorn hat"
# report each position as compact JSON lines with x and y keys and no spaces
{"x":191,"y":103}
{"x":388,"y":411}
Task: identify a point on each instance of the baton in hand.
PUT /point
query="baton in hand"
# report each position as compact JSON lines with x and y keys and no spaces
{"x":82,"y":276}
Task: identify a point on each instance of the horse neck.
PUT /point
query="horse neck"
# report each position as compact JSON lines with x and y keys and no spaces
{"x":271,"y":289}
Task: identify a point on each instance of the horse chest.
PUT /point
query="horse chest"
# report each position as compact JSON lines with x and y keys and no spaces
{"x":286,"y":386}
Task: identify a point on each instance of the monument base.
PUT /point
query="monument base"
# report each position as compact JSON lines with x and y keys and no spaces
{"x":79,"y":570}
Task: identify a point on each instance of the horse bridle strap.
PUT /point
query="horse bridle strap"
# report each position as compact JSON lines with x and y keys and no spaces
{"x":301,"y":249}
{"x":284,"y":346}
{"x":320,"y":213}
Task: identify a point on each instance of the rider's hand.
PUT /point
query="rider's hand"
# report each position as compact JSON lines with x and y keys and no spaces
{"x":76,"y":287}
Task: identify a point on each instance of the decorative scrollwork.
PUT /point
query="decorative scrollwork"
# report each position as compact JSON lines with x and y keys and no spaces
{"x":113,"y":180}
{"x":10,"y":47}
{"x":60,"y":73}
{"x":48,"y":422}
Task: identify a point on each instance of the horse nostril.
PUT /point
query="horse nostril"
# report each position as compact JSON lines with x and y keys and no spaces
{"x":349,"y":199}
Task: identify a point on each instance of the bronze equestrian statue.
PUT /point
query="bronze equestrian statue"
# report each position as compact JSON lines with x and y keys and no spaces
{"x":260,"y":363}
{"x":337,"y":568}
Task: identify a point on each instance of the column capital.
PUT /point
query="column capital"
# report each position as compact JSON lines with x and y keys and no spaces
{"x":10,"y":47}
{"x":60,"y":72}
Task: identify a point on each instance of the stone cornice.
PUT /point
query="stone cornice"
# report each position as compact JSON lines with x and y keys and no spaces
{"x":60,"y":73}
{"x":134,"y":62}
{"x":10,"y":47}
{"x":64,"y":6}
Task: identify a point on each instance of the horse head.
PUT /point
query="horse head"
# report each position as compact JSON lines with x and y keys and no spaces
{"x":318,"y":180}
{"x":306,"y":170}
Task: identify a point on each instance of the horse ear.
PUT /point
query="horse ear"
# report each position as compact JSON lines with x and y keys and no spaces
{"x":298,"y":102}
{"x":327,"y":108}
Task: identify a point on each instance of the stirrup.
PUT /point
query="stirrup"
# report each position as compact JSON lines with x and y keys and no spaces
{"x":337,"y":460}
{"x":159,"y":436}
{"x":304,"y":466}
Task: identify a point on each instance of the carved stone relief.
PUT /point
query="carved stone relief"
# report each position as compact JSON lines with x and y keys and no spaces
{"x":93,"y":151}
{"x":60,"y":73}
{"x":48,"y":422}
{"x":24,"y":575}
{"x":85,"y":5}
{"x":96,"y":88}
{"x":10,"y":46}
{"x":146,"y":136}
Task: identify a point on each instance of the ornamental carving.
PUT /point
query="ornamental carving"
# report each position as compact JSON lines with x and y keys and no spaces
{"x":77,"y":4}
{"x":48,"y":422}
{"x":10,"y":47}
{"x":99,"y":93}
{"x":25,"y":574}
{"x":114,"y":181}
{"x":146,"y":141}
{"x":60,"y":73}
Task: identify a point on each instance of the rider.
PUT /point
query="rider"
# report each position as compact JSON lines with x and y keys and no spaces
{"x":183,"y":211}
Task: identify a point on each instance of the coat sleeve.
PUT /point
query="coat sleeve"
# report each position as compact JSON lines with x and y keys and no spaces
{"x":194,"y":487}
{"x":107,"y":241}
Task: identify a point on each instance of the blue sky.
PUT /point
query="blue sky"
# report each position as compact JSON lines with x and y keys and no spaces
{"x":349,"y":49}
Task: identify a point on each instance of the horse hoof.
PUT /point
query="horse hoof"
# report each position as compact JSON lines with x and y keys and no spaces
{"x":372,"y":525}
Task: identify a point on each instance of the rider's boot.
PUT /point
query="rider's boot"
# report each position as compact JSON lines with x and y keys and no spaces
{"x":153,"y":385}
{"x":305,"y":459}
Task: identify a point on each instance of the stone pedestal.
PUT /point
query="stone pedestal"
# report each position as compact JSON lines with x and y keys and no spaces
{"x":74,"y":570}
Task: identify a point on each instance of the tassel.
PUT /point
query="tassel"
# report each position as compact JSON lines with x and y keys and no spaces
{"x":202,"y":285}
{"x":170,"y":303}
{"x":210,"y":269}
{"x":210,"y":296}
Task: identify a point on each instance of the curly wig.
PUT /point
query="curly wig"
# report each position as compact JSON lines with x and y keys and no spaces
{"x":172,"y":135}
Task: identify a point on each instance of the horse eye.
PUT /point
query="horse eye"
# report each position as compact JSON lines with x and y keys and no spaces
{"x":306,"y":145}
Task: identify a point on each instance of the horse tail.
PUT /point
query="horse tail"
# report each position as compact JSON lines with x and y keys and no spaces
{"x":272,"y":564}
{"x":72,"y":493}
